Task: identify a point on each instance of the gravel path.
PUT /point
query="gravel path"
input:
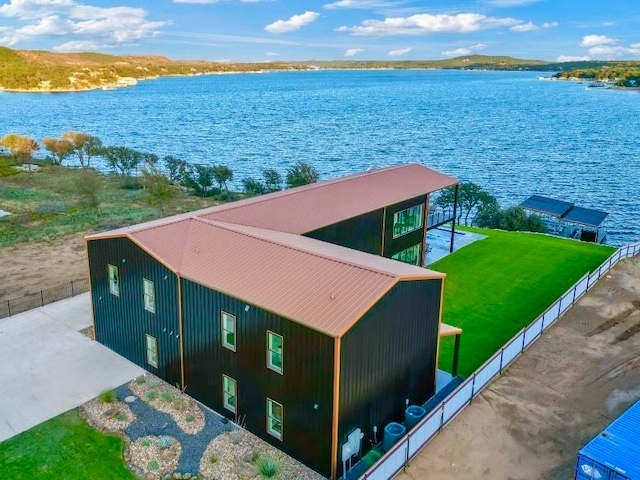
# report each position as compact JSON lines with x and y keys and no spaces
{"x":150,"y":421}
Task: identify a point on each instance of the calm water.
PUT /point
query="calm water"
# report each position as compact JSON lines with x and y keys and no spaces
{"x":507,"y":131}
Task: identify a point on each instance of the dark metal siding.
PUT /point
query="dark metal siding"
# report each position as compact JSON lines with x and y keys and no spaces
{"x":122,"y":322}
{"x":362,"y":233}
{"x":307,"y":363}
{"x":395,"y":245}
{"x":387,"y":357}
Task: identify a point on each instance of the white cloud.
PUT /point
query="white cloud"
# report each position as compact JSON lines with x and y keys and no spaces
{"x":530,"y":26}
{"x":400,"y":52}
{"x":597,"y":40}
{"x":198,"y":1}
{"x":87,"y":27}
{"x":294,"y":23}
{"x":272,"y":54}
{"x":425,"y":23}
{"x":612,"y":51}
{"x":572,"y":58}
{"x":353,"y":52}
{"x":358,"y":4}
{"x":464,"y":50}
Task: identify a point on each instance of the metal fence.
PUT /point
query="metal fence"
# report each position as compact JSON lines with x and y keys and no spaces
{"x":43,"y":297}
{"x":397,"y":458}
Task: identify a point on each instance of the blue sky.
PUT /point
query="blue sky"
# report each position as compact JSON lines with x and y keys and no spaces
{"x":270,"y":30}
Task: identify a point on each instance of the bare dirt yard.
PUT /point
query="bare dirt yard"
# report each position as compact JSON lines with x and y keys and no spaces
{"x":29,"y":267}
{"x":531,"y":422}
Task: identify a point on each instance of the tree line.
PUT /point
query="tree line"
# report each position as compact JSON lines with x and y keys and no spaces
{"x":147,"y":170}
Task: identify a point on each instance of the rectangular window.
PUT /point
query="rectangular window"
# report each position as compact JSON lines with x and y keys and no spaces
{"x":149,"y":295}
{"x":274,"y":418}
{"x":152,"y":351}
{"x":114,"y":280}
{"x":274,"y":351}
{"x":228,"y":331}
{"x":229,"y":393}
{"x":407,"y":220}
{"x":410,"y":255}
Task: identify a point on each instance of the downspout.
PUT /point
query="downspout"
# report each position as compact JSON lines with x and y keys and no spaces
{"x":181,"y":330}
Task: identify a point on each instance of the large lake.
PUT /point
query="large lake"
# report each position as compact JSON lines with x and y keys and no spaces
{"x":507,"y":131}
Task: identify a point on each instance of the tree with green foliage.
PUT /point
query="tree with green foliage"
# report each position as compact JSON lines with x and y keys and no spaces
{"x":85,"y":146}
{"x":89,"y":186}
{"x":252,"y":187}
{"x":159,"y":190}
{"x":176,"y":168}
{"x":511,"y":219}
{"x":21,"y":148}
{"x":301,"y":174}
{"x":222,"y":175}
{"x":272,"y":180}
{"x":60,"y":150}
{"x":122,"y":159}
{"x":200,"y":179}
{"x":472,"y":199}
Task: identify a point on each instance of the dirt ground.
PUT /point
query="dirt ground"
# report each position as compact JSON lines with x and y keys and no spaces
{"x":531,"y":422}
{"x":34,"y":266}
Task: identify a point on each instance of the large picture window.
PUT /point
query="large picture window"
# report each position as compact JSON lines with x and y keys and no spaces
{"x":407,"y":220}
{"x":410,"y":255}
{"x":274,"y":351}
{"x":228,"y":330}
{"x":274,"y":418}
{"x":229,"y":393}
{"x":152,"y":351}
{"x":149,"y":293}
{"x":114,"y":280}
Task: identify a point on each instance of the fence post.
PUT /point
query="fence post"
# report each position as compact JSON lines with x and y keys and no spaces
{"x":441,"y":417}
{"x":42,"y":298}
{"x":573,"y":302}
{"x":473,"y":388}
{"x":72,"y":292}
{"x":9,"y":306}
{"x":501,"y":356}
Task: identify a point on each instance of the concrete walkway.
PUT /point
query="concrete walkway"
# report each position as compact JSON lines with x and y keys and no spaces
{"x":47,"y":367}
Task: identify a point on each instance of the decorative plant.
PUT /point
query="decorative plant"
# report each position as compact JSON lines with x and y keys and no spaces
{"x":189,"y":418}
{"x":153,"y":465}
{"x":213,"y":459}
{"x":267,"y":467}
{"x":141,"y":380}
{"x":151,"y":395}
{"x":164,"y":442}
{"x":121,"y":417}
{"x":107,"y":396}
{"x":146,"y":443}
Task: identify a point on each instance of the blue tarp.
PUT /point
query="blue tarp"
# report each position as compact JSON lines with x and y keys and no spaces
{"x":616,"y":449}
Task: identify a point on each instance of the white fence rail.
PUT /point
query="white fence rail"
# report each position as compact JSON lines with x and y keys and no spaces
{"x":402,"y":452}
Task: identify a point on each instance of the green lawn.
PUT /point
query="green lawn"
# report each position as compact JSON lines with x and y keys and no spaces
{"x":63,"y":448}
{"x":497,"y":286}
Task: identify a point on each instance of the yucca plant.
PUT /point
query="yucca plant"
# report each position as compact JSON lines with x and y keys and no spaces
{"x":267,"y":467}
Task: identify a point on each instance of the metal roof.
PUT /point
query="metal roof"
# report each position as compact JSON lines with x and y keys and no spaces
{"x":546,"y":205}
{"x":304,"y":209}
{"x":252,"y":250}
{"x":565,"y":211}
{"x":618,"y":446}
{"x":585,"y":216}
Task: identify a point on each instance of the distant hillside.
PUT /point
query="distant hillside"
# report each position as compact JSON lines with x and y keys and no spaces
{"x":41,"y":71}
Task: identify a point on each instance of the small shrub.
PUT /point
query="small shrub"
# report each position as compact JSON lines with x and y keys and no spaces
{"x":153,"y":466}
{"x":236,"y":436}
{"x":167,"y":397}
{"x":177,"y":403}
{"x":121,"y":417}
{"x":189,"y":418}
{"x":164,"y":441}
{"x":213,"y":459}
{"x":146,"y":443}
{"x":267,"y":467}
{"x":51,"y":209}
{"x":254,"y":457}
{"x":151,"y":395}
{"x":108,"y":396}
{"x":141,"y":380}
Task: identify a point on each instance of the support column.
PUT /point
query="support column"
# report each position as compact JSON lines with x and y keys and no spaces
{"x":456,"y":356}
{"x":453,"y":222}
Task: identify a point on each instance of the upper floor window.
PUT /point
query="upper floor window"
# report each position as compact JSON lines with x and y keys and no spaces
{"x":274,"y":418}
{"x":274,"y":351}
{"x":407,"y":220}
{"x":149,"y":293}
{"x":228,"y":330}
{"x":114,"y":280}
{"x":152,"y":351}
{"x":229,"y":393}
{"x":410,"y":255}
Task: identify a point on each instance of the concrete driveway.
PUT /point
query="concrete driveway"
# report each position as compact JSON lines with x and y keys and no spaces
{"x":47,"y":367}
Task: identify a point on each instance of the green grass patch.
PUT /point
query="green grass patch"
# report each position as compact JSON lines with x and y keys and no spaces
{"x":497,"y":286}
{"x":64,"y":448}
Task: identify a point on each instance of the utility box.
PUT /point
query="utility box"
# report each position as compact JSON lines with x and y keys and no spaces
{"x":613,"y":454}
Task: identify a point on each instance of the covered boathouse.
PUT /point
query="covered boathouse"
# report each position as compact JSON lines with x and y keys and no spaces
{"x":283,"y":309}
